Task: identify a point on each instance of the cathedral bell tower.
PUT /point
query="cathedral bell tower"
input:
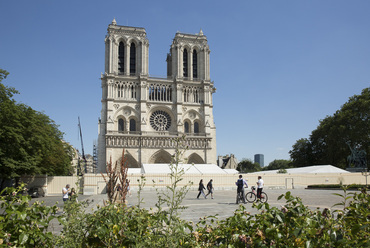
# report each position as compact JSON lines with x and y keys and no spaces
{"x":143,"y":114}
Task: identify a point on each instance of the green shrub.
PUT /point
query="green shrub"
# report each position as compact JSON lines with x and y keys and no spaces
{"x":294,"y":225}
{"x":22,"y":224}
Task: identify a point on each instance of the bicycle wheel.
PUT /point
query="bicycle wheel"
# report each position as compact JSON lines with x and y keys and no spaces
{"x":250,"y":197}
{"x":264,"y":197}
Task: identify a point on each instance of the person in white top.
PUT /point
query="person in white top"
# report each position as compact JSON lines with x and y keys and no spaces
{"x":259,"y":186}
{"x":65,"y":192}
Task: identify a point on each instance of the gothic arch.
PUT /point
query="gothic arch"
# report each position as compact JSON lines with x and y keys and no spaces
{"x":200,"y":125}
{"x":131,"y":162}
{"x":196,"y":48}
{"x":187,"y":126}
{"x":193,"y":115}
{"x":133,"y":40}
{"x":187,"y":47}
{"x":121,"y":39}
{"x":126,"y":109}
{"x":121,"y":123}
{"x":160,"y":157}
{"x":133,"y":120}
{"x":195,"y":159}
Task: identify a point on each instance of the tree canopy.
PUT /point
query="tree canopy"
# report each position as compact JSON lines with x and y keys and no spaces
{"x":330,"y":142}
{"x":30,"y":142}
{"x":247,"y":165}
{"x":278,"y":164}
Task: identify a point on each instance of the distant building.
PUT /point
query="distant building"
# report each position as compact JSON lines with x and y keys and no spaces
{"x":259,"y":158}
{"x":227,"y":162}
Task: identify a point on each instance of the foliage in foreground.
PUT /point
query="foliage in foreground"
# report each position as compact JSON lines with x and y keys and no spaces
{"x":22,"y":224}
{"x":115,"y":225}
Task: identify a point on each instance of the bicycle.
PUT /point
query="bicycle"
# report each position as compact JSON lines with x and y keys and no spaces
{"x":252,"y":196}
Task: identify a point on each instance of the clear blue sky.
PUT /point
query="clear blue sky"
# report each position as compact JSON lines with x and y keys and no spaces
{"x":278,"y":66}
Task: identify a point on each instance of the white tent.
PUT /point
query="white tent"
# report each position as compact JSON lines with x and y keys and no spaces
{"x":308,"y":169}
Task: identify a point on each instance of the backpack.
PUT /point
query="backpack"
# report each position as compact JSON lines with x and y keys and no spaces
{"x":240,"y":184}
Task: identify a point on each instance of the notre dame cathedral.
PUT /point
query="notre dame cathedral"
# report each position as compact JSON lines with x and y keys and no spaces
{"x":143,"y":114}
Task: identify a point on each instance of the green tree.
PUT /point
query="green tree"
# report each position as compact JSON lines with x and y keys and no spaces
{"x":328,"y":142}
{"x":30,"y":142}
{"x":279,"y":164}
{"x":301,"y":154}
{"x":247,"y":165}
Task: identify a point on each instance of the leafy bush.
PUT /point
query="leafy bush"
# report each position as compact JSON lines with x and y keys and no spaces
{"x":22,"y":225}
{"x":294,"y":225}
{"x":117,"y":225}
{"x":337,"y":186}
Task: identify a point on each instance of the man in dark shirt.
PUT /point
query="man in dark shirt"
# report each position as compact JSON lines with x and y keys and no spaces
{"x":210,"y":188}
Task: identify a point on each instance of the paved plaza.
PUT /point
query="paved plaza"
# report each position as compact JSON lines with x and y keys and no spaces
{"x":224,"y":202}
{"x":223,"y":205}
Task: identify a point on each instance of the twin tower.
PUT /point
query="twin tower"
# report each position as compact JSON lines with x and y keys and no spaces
{"x":144,"y":114}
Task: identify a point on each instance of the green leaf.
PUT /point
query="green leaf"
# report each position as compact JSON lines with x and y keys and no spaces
{"x":278,"y":217}
{"x":23,"y":238}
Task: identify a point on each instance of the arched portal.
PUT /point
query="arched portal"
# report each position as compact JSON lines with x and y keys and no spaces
{"x":160,"y":157}
{"x":131,"y":162}
{"x":195,"y":159}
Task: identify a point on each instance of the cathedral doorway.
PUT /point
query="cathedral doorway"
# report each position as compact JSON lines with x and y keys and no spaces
{"x":195,"y":159}
{"x":160,"y":157}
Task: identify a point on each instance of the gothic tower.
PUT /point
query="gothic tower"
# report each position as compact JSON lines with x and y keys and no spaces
{"x":142,"y":114}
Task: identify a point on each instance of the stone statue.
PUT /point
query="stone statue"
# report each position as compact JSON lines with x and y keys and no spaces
{"x":357,"y":157}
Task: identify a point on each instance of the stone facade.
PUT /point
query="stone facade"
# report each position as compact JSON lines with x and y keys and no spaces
{"x":144,"y":114}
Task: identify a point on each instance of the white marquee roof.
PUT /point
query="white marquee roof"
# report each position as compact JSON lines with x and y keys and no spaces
{"x":309,"y":169}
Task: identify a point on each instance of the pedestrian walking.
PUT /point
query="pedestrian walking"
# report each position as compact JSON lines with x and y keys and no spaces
{"x":210,"y":188}
{"x":128,"y":187}
{"x":201,"y":189}
{"x":65,"y":193}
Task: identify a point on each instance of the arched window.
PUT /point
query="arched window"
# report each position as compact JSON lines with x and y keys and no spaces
{"x":196,"y":127}
{"x":132,"y":125}
{"x":121,"y":57}
{"x":187,"y":127}
{"x":195,"y":64}
{"x":132,"y":58}
{"x":121,"y":125}
{"x":185,"y":62}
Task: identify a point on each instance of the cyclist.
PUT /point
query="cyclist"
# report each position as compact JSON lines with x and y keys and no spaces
{"x":259,"y":187}
{"x":241,"y":183}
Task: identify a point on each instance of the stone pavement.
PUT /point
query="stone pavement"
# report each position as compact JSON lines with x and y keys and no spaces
{"x":223,"y":205}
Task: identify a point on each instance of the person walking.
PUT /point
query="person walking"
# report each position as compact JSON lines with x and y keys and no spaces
{"x":259,"y":187}
{"x":201,"y":189}
{"x":65,"y":193}
{"x":241,"y":183}
{"x":73,"y":195}
{"x":128,"y":187}
{"x":210,"y":188}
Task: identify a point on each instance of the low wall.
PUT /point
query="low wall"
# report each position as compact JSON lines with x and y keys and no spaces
{"x":95,"y":184}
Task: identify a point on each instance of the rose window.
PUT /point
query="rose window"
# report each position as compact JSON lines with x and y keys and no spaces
{"x":160,"y":120}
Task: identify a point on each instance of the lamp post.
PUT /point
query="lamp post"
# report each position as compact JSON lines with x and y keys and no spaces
{"x":366,"y":174}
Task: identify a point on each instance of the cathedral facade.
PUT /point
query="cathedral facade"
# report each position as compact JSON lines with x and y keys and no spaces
{"x":144,"y":114}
